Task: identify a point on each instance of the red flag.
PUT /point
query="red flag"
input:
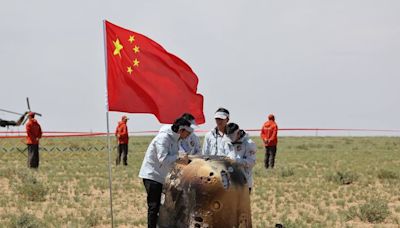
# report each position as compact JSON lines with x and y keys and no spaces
{"x":142,"y":77}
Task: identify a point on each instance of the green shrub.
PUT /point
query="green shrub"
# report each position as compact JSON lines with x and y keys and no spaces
{"x":374,"y":211}
{"x":286,"y":172}
{"x":29,"y":187}
{"x":386,"y":174}
{"x":7,"y":173}
{"x":25,"y":221}
{"x":92,"y":219}
{"x":342,"y":178}
{"x":287,"y":223}
{"x":302,"y":147}
{"x":330,"y":146}
{"x":349,"y":214}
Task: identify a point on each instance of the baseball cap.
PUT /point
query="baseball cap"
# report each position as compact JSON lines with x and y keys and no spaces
{"x":187,"y":128}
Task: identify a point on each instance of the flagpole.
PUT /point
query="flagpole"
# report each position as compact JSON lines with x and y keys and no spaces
{"x":108,"y":127}
{"x":109,"y":168}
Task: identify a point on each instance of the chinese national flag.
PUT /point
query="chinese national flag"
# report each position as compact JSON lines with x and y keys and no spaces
{"x":142,"y":77}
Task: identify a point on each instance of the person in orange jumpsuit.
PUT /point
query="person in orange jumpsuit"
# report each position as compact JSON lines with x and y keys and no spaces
{"x":34,"y":133}
{"x":123,"y":138}
{"x":269,"y":135}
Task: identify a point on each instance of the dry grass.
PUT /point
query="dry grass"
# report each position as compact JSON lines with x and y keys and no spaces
{"x":317,"y":182}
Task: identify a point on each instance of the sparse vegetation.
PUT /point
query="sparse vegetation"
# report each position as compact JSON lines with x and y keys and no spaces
{"x":92,"y":219}
{"x":317,"y":182}
{"x":342,"y":178}
{"x":387,"y":174}
{"x":286,"y":172}
{"x":374,"y":211}
{"x":25,"y":220}
{"x":28,"y":186}
{"x":350,"y":214}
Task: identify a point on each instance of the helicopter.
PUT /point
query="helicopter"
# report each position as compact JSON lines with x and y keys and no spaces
{"x":21,"y":121}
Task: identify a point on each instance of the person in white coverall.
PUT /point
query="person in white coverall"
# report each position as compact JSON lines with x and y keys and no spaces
{"x":240,"y":148}
{"x":191,"y":144}
{"x":212,"y":144}
{"x":158,"y":160}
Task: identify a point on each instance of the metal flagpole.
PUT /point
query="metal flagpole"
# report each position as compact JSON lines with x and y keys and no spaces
{"x":108,"y":127}
{"x":109,"y":168}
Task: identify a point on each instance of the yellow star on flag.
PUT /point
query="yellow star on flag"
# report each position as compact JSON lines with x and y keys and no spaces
{"x":129,"y":70}
{"x":131,"y":39}
{"x":136,"y":62}
{"x":118,"y":47}
{"x":136,"y":49}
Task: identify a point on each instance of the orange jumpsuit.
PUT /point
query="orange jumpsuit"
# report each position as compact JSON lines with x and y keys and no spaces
{"x":123,"y":137}
{"x":269,"y":135}
{"x":34,"y":133}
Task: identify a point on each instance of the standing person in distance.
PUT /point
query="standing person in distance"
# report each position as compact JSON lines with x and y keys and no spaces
{"x":269,"y":135}
{"x":158,"y":160}
{"x":34,"y":133}
{"x":123,"y":138}
{"x":212,"y":144}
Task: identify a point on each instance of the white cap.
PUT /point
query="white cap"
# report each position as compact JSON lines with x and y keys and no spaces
{"x":193,"y":124}
{"x":221,"y":115}
{"x":189,"y":129}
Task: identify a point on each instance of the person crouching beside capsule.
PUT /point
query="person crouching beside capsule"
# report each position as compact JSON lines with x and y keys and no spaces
{"x":241,"y":149}
{"x":191,"y":144}
{"x":158,"y":160}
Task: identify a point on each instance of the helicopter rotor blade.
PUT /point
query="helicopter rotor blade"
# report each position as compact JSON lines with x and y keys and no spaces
{"x":27,"y":102}
{"x":16,"y":113}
